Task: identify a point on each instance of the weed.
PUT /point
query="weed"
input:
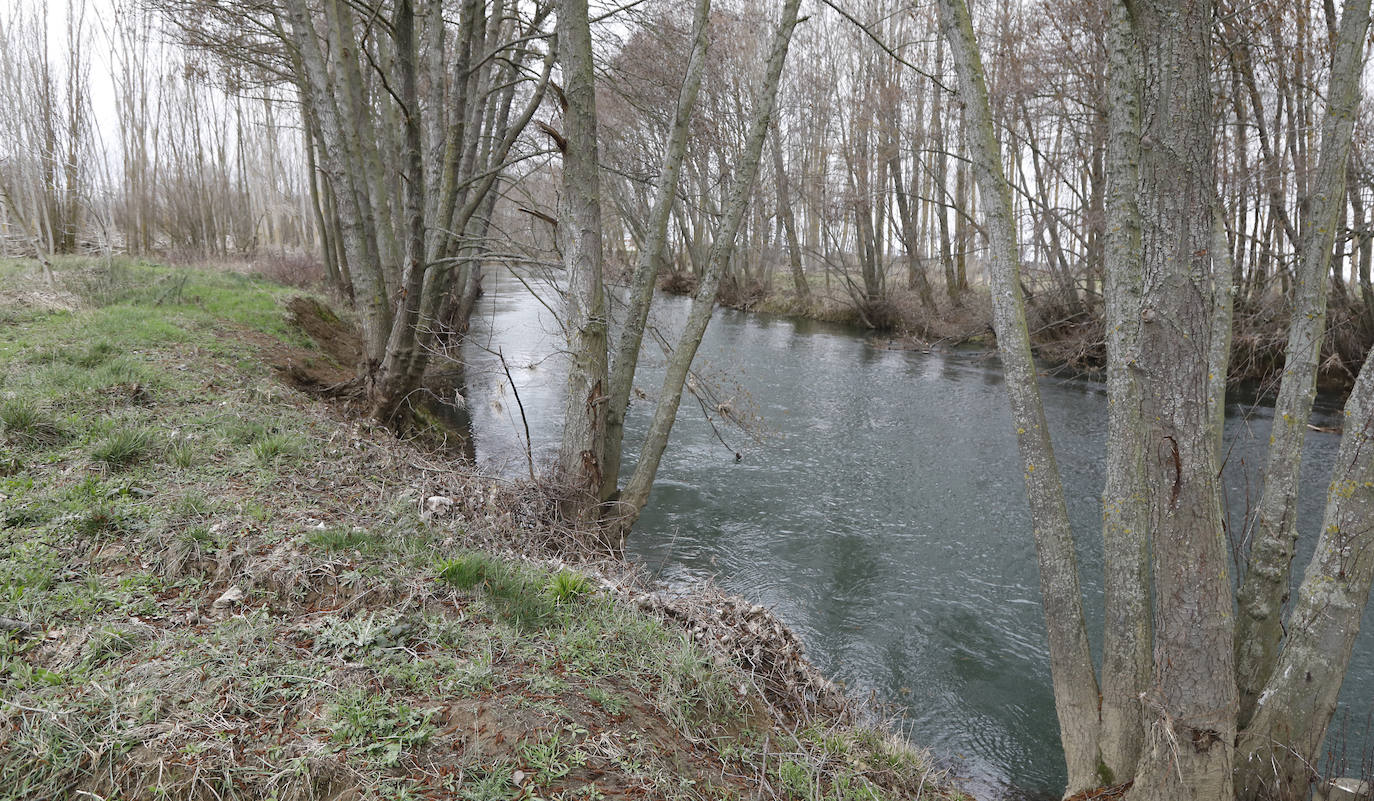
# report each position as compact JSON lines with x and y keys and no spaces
{"x":614,"y":703}
{"x":193,"y":504}
{"x":551,"y":758}
{"x":380,"y":726}
{"x":520,"y":595}
{"x":566,"y":587}
{"x":361,"y":633}
{"x":476,"y":676}
{"x":124,"y":447}
{"x":490,"y":783}
{"x":795,"y":777}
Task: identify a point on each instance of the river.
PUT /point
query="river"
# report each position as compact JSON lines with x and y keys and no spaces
{"x":876,"y":506}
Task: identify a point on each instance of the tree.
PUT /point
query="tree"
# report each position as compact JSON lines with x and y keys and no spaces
{"x":1267,"y":580}
{"x":636,"y":492}
{"x":1168,"y":306}
{"x":581,"y":456}
{"x":649,"y":260}
{"x":1071,"y":667}
{"x":403,"y":254}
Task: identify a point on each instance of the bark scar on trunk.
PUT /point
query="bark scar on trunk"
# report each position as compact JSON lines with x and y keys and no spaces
{"x":1178,"y":472}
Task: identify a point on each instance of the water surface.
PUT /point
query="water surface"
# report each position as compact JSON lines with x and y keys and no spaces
{"x":878,"y":509}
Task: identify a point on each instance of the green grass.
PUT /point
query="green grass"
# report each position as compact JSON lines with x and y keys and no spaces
{"x":26,"y":424}
{"x":276,"y":446}
{"x":124,"y":447}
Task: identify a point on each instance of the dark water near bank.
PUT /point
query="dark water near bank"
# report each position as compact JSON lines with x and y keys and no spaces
{"x":881,"y":515}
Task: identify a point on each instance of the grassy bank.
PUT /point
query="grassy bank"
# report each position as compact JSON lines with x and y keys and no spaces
{"x":215,"y":586}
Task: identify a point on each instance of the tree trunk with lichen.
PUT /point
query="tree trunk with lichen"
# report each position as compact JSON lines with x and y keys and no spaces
{"x":1259,"y":628}
{"x":1071,"y":666}
{"x":1125,"y":532}
{"x":581,"y":455}
{"x":1284,"y":739}
{"x":1190,"y":709}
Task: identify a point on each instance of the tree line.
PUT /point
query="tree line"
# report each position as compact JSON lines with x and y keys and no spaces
{"x":1154,"y":175}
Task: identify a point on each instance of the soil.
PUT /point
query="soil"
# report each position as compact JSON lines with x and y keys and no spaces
{"x":307,"y":370}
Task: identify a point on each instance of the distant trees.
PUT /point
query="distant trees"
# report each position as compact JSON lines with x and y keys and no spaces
{"x":45,"y":135}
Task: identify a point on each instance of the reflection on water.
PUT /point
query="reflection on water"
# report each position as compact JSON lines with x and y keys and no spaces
{"x":881,"y":514}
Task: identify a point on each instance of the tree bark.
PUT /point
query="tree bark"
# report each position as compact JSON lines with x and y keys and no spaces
{"x":1283,"y":741}
{"x":1190,"y":710}
{"x":1265,"y":589}
{"x":1071,"y":666}
{"x":581,"y":455}
{"x":1125,"y":527}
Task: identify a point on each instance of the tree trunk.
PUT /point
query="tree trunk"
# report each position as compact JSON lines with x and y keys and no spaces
{"x":1190,"y":710}
{"x":1071,"y":666}
{"x":1283,"y":741}
{"x":636,"y":493}
{"x":649,"y":260}
{"x":789,"y":221}
{"x":581,"y":455}
{"x":1125,"y":525}
{"x":1262,"y":595}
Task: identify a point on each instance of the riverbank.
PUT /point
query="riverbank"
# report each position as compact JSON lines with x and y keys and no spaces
{"x":1064,"y":336}
{"x":217,"y":585}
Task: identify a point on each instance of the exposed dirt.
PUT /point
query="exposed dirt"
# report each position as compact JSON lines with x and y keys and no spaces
{"x":309,"y":371}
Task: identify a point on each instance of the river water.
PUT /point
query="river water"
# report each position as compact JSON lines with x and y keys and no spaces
{"x":876,"y":506}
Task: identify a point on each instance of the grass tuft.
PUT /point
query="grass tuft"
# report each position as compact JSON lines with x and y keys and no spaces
{"x":26,"y":424}
{"x":124,"y":447}
{"x":566,"y":587}
{"x":275,"y":446}
{"x":465,"y":571}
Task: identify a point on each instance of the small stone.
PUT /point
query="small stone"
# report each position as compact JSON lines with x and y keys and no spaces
{"x":437,"y":504}
{"x":230,"y":597}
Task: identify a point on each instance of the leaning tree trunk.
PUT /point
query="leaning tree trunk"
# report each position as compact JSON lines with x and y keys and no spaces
{"x":636,"y":493}
{"x":584,"y":401}
{"x":1125,"y":531}
{"x":1190,"y":710}
{"x":1259,"y":626}
{"x":1071,"y":666}
{"x":650,"y":257}
{"x":1284,"y":738}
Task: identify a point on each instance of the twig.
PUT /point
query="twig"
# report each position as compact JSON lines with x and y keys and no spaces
{"x":529,"y":450}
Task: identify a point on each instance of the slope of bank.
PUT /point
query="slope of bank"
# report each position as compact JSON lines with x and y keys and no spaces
{"x":216,"y":586}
